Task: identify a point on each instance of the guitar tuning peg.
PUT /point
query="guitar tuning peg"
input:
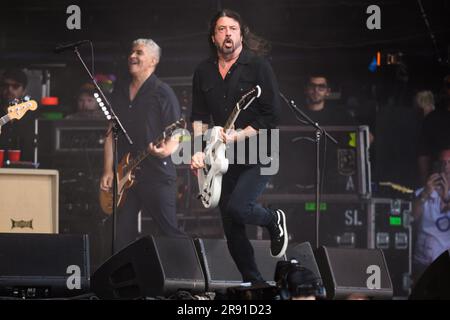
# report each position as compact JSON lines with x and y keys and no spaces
{"x":13,"y":102}
{"x":26,"y":98}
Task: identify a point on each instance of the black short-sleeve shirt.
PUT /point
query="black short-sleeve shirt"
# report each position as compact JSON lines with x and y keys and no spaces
{"x":145,"y":118}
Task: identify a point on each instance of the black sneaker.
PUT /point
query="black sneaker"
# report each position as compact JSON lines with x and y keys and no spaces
{"x":278,"y":234}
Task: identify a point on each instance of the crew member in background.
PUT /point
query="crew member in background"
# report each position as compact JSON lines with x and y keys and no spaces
{"x":16,"y":134}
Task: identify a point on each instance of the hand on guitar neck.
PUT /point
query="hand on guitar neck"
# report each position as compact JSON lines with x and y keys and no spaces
{"x":165,"y":148}
{"x":237,"y":135}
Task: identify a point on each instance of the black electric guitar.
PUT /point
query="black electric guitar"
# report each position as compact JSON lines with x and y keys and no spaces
{"x":127,"y":167}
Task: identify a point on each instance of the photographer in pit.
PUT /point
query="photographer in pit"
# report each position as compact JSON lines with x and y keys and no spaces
{"x":295,"y":282}
{"x":431,"y":209}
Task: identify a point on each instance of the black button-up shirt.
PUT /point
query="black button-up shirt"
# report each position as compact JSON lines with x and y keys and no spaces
{"x":154,"y":108}
{"x":214,"y":97}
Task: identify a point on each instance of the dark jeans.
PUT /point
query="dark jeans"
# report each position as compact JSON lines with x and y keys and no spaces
{"x":241,"y":186}
{"x":157,"y":200}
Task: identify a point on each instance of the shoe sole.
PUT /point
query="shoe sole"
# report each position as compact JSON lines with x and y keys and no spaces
{"x":285,"y":236}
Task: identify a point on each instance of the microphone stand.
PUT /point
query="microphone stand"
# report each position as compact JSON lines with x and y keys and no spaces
{"x":116,"y":129}
{"x":320,"y":131}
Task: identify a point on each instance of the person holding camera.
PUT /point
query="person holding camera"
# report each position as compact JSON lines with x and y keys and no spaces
{"x":431,"y":209}
{"x":296,"y":282}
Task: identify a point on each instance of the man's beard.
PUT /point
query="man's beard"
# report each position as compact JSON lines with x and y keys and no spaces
{"x":227,"y":50}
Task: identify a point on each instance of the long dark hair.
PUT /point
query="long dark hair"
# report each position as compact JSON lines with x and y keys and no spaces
{"x":251,"y":41}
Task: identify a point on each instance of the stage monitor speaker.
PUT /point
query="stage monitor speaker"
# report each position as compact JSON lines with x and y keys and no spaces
{"x":150,"y":267}
{"x":434,"y":284}
{"x":29,"y":201}
{"x":44,"y":265}
{"x":220,"y":270}
{"x":348,"y":273}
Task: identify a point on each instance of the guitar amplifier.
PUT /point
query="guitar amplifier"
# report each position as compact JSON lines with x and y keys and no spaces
{"x":29,"y":201}
{"x":71,"y":136}
{"x":345,"y":167}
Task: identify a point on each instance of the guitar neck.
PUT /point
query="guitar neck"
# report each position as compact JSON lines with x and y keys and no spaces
{"x":232,"y":118}
{"x":4,"y":120}
{"x":143,"y":154}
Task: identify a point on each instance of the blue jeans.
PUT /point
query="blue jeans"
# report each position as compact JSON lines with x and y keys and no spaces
{"x":241,"y":187}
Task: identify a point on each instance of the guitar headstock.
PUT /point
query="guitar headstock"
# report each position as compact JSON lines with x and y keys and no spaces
{"x":248,"y":97}
{"x":397,"y":187}
{"x":17,"y":111}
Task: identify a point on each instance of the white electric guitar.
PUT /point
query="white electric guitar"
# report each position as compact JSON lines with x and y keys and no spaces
{"x":216,"y":164}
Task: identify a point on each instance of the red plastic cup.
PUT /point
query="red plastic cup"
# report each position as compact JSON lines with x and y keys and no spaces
{"x":13,"y":155}
{"x":2,"y":155}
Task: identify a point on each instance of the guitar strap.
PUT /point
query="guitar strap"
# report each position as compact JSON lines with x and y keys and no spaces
{"x":235,"y":76}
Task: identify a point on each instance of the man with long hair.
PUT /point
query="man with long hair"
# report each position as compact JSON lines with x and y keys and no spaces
{"x":17,"y":134}
{"x":235,"y":66}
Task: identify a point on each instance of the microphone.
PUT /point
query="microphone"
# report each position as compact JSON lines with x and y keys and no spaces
{"x":63,"y":47}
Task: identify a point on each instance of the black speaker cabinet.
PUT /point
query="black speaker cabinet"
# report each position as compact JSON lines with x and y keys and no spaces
{"x":150,"y":267}
{"x":43,"y":265}
{"x":434,"y":284}
{"x":220,"y":270}
{"x":354,"y":272}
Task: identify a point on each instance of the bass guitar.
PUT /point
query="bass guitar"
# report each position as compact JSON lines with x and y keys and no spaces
{"x":17,"y":111}
{"x":127,"y":167}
